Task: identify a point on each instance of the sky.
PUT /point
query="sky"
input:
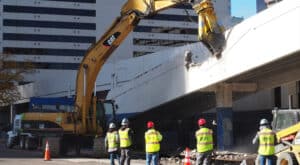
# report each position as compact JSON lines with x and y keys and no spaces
{"x":243,"y":8}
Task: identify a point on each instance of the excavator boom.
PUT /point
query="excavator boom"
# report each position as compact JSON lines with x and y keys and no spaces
{"x":132,"y":11}
{"x":95,"y":59}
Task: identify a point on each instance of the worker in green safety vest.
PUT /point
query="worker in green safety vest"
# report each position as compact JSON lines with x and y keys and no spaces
{"x":126,"y":137}
{"x":204,"y":138}
{"x":112,"y":143}
{"x":267,"y":141}
{"x":152,"y":139}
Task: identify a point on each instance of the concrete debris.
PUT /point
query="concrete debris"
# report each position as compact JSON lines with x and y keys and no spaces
{"x":220,"y":157}
{"x":171,"y":160}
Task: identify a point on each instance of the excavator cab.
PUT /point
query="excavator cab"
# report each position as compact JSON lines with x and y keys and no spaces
{"x":283,"y":118}
{"x":106,"y":113}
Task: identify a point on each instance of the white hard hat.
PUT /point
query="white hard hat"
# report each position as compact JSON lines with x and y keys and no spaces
{"x":124,"y":121}
{"x":264,"y":122}
{"x":112,"y":126}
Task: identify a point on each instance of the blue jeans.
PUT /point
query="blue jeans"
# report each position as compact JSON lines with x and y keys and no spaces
{"x":152,"y":157}
{"x":264,"y":159}
{"x":203,"y":158}
{"x":113,"y":156}
{"x":125,"y":156}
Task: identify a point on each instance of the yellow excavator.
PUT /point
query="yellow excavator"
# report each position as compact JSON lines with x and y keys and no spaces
{"x":78,"y":127}
{"x":286,"y":123}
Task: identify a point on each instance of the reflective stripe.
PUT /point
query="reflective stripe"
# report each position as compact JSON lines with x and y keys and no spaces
{"x":152,"y":142}
{"x":266,"y":133}
{"x":267,"y":145}
{"x":152,"y":133}
{"x":204,"y":143}
{"x":206,"y":133}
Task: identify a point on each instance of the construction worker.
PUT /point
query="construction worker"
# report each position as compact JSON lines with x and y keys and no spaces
{"x":152,"y":139}
{"x":126,"y":135}
{"x":267,"y":140}
{"x":112,"y":143}
{"x":204,"y":138}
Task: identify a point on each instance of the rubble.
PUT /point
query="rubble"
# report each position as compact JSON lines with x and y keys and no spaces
{"x":227,"y":157}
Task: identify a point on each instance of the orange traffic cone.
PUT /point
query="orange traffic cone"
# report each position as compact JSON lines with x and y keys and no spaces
{"x":47,"y":152}
{"x":187,"y":160}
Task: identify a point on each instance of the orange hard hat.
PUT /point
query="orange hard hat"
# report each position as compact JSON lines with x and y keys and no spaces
{"x":150,"y":124}
{"x":201,"y":121}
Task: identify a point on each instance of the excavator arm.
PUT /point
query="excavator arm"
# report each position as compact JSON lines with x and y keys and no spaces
{"x":94,"y":60}
{"x":132,"y":11}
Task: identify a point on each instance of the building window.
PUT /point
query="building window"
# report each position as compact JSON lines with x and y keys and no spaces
{"x":82,"y":1}
{"x":43,"y":65}
{"x":48,"y":10}
{"x":41,"y":51}
{"x":169,"y":17}
{"x":169,"y":30}
{"x":158,"y":42}
{"x":49,"y":38}
{"x":277,"y":97}
{"x":49,"y":24}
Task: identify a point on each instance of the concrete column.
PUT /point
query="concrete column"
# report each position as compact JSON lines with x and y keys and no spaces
{"x":224,"y":116}
{"x":298,"y":94}
{"x":292,"y":96}
{"x":224,"y":111}
{"x":12,"y":114}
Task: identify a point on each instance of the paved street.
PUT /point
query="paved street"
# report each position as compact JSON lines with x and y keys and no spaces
{"x":25,"y":157}
{"x":68,"y":161}
{"x":16,"y":156}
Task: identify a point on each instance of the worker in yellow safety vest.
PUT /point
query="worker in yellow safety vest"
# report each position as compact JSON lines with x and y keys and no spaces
{"x":126,"y":137}
{"x":204,"y":138}
{"x":152,"y":140}
{"x":112,"y":143}
{"x":267,"y":141}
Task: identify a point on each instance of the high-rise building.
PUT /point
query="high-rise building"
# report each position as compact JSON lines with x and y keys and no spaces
{"x":50,"y":34}
{"x":260,"y":5}
{"x":54,"y":35}
{"x":171,"y":28}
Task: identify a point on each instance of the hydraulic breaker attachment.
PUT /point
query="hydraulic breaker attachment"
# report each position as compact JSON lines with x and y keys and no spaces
{"x":210,"y":32}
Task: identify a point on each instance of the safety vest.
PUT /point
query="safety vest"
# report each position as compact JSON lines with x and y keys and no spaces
{"x":112,"y":141}
{"x":266,"y":142}
{"x":125,"y":141}
{"x":204,"y":138}
{"x":152,"y":138}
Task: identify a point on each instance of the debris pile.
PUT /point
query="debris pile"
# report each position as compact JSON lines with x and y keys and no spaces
{"x":221,"y":157}
{"x":227,"y":156}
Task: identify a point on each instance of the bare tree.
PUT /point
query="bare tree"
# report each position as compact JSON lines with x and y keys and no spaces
{"x":11,"y":74}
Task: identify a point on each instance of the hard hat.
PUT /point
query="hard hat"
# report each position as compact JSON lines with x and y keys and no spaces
{"x":201,"y":121}
{"x":263,"y":122}
{"x":150,"y":124}
{"x":124,"y":121}
{"x":112,"y":126}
